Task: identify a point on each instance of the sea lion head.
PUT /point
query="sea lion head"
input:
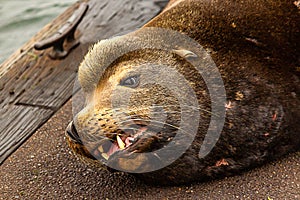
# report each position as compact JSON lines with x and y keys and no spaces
{"x":145,"y":104}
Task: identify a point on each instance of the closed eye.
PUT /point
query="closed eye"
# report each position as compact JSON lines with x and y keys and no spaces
{"x":132,"y":81}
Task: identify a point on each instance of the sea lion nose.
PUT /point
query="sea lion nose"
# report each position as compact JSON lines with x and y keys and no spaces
{"x":72,"y":133}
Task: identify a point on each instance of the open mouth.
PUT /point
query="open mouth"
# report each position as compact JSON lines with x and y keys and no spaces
{"x":125,"y":140}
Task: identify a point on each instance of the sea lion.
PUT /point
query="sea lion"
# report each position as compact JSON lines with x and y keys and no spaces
{"x":141,"y":88}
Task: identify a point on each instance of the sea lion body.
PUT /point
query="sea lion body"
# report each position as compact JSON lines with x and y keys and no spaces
{"x":255,"y":46}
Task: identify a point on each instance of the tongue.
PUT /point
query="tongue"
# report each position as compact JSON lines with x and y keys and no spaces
{"x":113,"y":148}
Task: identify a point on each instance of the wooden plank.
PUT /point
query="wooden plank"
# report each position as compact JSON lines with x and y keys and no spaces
{"x":20,"y":120}
{"x":33,"y":87}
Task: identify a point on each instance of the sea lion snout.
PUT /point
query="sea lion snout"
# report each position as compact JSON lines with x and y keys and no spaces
{"x":113,"y":137}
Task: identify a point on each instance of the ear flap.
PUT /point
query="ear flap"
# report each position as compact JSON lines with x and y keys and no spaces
{"x":185,"y":54}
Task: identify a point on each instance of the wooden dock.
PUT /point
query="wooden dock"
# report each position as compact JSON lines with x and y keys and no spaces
{"x":33,"y":86}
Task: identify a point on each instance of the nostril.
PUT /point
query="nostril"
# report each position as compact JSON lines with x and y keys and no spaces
{"x":72,"y":133}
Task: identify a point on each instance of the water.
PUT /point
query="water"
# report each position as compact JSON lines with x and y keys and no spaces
{"x":22,"y":19}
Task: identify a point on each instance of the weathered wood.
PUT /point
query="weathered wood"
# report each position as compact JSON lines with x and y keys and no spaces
{"x":23,"y":119}
{"x":33,"y":86}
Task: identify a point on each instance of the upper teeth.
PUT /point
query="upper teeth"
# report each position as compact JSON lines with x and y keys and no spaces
{"x":120,"y":142}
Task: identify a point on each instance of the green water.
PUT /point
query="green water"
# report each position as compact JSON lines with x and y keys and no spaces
{"x":21,"y":19}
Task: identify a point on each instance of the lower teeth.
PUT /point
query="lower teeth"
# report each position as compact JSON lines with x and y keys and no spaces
{"x":105,"y":156}
{"x":100,"y":148}
{"x":119,"y":145}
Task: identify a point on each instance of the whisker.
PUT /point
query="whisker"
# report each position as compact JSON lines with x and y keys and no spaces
{"x":158,"y":122}
{"x":192,"y":107}
{"x":154,"y":112}
{"x":162,"y":106}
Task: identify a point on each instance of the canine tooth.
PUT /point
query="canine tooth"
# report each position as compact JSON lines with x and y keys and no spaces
{"x":100,"y":148}
{"x":105,"y":156}
{"x":120,"y":143}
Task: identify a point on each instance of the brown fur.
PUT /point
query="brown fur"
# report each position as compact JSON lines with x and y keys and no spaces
{"x":255,"y":45}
